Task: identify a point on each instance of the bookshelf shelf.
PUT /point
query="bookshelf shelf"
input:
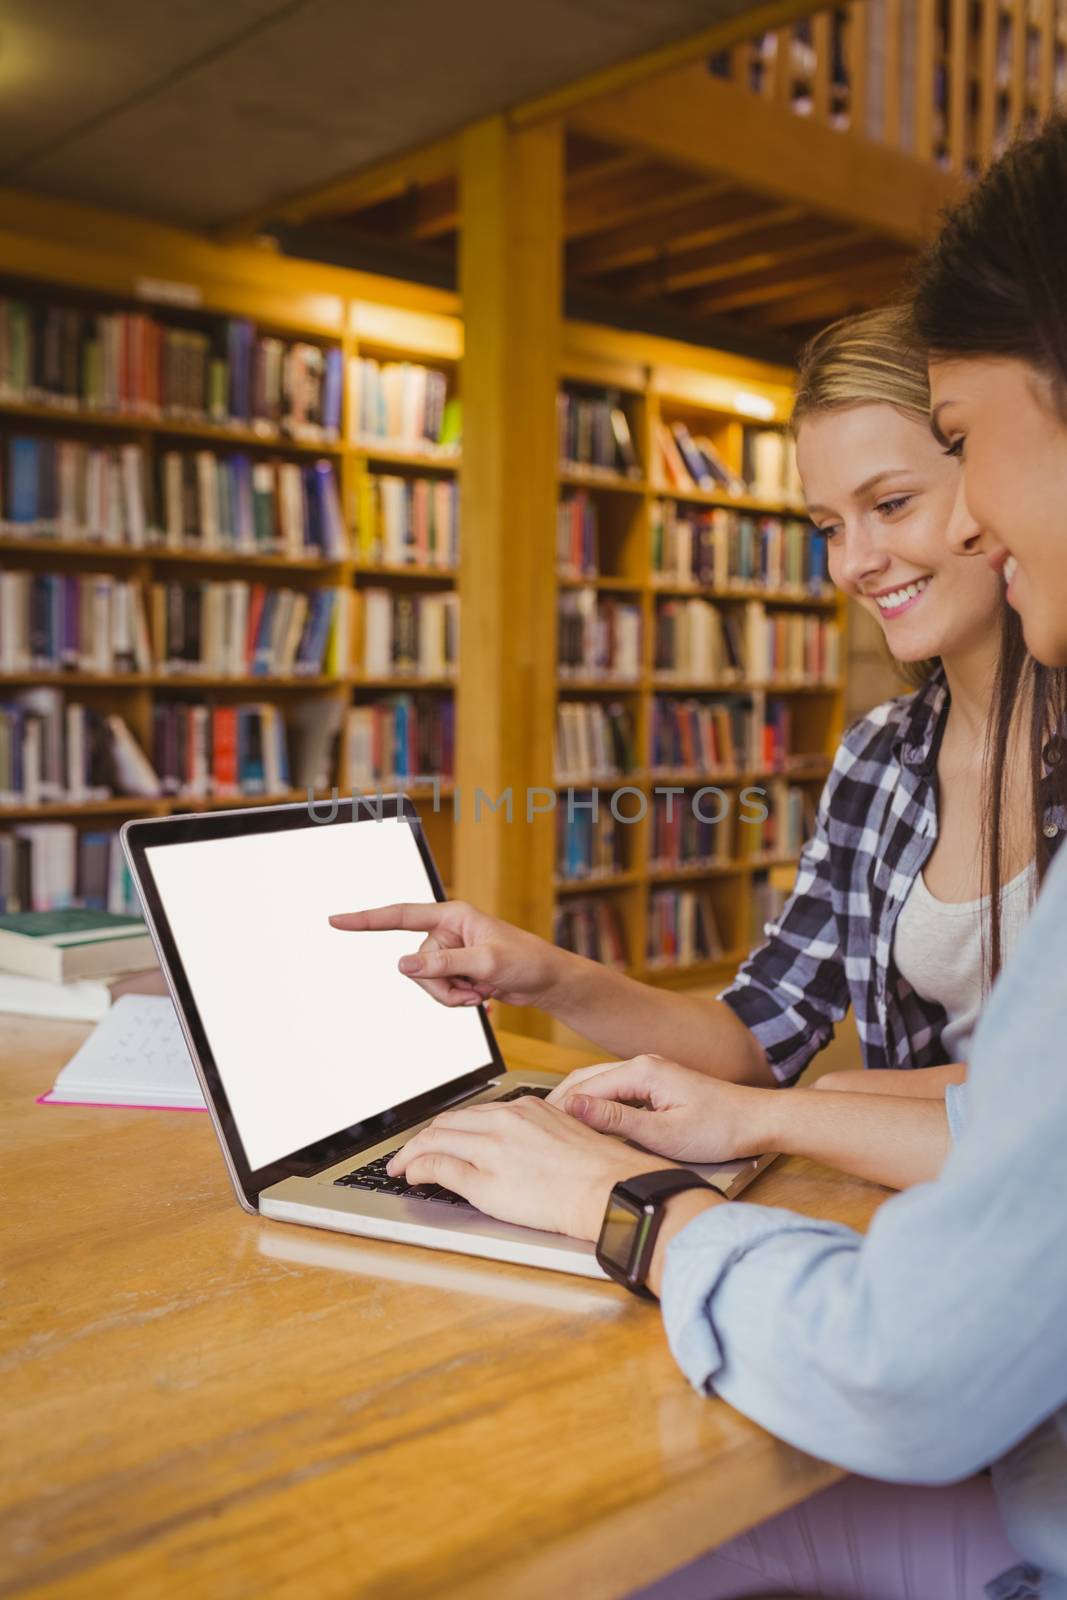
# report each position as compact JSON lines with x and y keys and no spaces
{"x":94,"y":550}
{"x":661,"y":683}
{"x":760,"y":505}
{"x":626,"y":526}
{"x":703,"y":869}
{"x":602,"y":685}
{"x":413,"y":573}
{"x":573,"y":476}
{"x":379,"y":451}
{"x":171,"y":427}
{"x":403,"y":681}
{"x":604,"y":585}
{"x":738,"y":592}
{"x":654,"y":379}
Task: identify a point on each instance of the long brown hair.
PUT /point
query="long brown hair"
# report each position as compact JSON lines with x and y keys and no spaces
{"x":879,"y":358}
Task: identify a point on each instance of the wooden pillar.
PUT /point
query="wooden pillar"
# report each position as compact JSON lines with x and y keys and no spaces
{"x":511,"y":217}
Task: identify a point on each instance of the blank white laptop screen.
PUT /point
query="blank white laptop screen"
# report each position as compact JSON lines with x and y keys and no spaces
{"x":312,"y":1030}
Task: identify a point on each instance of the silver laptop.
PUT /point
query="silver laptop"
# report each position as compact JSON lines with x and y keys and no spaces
{"x":317,"y":1057}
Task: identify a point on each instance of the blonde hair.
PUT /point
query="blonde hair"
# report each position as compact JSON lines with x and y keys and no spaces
{"x":872,"y":358}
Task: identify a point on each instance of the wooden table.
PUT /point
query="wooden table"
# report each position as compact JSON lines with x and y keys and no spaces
{"x":197,"y":1403}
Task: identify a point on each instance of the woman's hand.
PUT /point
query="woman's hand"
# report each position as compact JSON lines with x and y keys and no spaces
{"x":525,"y":1162}
{"x":670,"y":1109}
{"x":468,"y":957}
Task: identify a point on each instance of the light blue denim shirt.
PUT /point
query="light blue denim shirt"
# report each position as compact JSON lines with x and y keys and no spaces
{"x":937,"y":1344}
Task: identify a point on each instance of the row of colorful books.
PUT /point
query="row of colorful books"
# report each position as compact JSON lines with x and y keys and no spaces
{"x":686,"y":835}
{"x":593,"y":740}
{"x":200,"y":751}
{"x":591,"y":928}
{"x":789,"y":823}
{"x":415,"y":634}
{"x":99,"y":624}
{"x":135,"y":363}
{"x":726,"y":736}
{"x":599,"y":636}
{"x":408,"y":521}
{"x":577,"y":535}
{"x":54,"y":751}
{"x":697,"y":640}
{"x":52,"y":866}
{"x":403,"y":404}
{"x":63,"y":622}
{"x":401,"y":738}
{"x":691,"y":463}
{"x":682,"y":928}
{"x":594,"y":432}
{"x":723,"y":548}
{"x":589,"y":844}
{"x":123,"y":495}
{"x":235,"y":629}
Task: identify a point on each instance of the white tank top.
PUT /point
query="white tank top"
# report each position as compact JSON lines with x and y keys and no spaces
{"x":937,"y":947}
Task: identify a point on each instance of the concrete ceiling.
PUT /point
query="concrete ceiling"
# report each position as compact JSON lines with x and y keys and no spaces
{"x":200,"y":111}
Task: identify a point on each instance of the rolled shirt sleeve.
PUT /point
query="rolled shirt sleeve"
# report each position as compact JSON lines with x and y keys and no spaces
{"x":792,"y":991}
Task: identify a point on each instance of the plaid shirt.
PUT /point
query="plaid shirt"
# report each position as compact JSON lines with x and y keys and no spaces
{"x":832,"y":945}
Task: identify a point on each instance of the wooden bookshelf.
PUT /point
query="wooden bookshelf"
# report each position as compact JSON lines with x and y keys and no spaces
{"x":657,"y":380}
{"x":510,"y":353}
{"x":353,"y":312}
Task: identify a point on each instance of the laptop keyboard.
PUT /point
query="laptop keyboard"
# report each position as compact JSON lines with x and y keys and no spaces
{"x":374,"y":1176}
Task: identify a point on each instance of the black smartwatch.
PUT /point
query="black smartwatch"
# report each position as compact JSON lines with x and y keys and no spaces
{"x":632,"y":1222}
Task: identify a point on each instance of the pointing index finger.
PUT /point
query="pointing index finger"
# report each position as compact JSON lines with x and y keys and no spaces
{"x":405,"y":916}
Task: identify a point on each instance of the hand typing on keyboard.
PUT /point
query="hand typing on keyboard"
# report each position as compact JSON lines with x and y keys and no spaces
{"x":374,"y":1176}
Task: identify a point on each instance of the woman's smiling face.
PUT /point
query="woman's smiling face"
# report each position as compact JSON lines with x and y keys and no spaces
{"x":883,"y":491}
{"x":1006,"y":422}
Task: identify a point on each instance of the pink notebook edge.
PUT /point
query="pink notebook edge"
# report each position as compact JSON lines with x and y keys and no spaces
{"x":51,"y":1099}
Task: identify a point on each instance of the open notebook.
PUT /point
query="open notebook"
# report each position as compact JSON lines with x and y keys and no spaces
{"x":135,"y":1057}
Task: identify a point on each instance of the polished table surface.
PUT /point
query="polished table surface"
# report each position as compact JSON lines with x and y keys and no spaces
{"x":200,"y":1403}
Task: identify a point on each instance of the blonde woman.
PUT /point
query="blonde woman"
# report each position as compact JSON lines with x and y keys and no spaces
{"x":896,"y":912}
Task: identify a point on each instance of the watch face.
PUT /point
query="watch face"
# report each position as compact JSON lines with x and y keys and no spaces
{"x":620,"y":1235}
